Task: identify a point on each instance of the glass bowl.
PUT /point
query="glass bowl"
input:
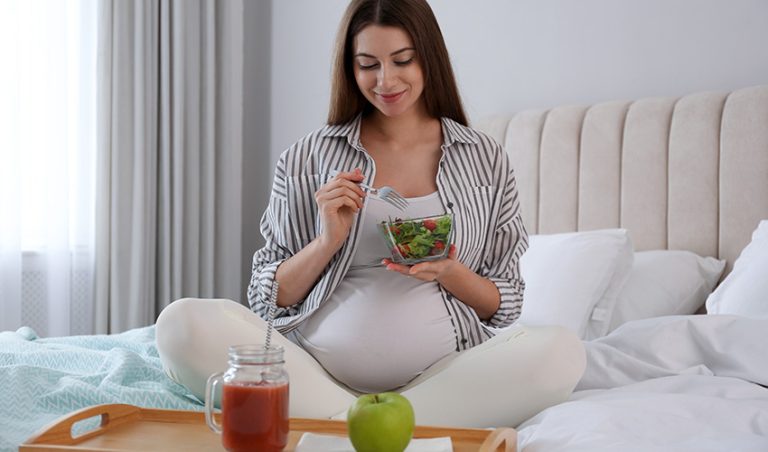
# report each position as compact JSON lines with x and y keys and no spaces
{"x":415,"y":240}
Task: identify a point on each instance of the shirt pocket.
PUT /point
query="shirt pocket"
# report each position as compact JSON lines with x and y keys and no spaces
{"x":302,"y":207}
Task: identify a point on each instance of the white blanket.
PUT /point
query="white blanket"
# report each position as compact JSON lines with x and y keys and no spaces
{"x":679,"y":383}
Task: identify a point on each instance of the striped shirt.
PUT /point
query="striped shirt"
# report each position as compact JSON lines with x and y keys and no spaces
{"x":475,"y":181}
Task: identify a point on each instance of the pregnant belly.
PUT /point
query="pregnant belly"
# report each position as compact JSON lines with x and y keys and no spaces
{"x":379,"y":330}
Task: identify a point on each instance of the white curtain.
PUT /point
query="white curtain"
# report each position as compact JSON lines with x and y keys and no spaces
{"x":47,"y":163}
{"x":169,"y":156}
{"x":120,"y":160}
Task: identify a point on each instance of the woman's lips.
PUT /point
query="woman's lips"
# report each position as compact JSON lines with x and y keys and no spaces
{"x":391,"y":98}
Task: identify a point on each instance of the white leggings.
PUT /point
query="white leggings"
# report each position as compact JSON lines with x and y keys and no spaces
{"x":501,"y":382}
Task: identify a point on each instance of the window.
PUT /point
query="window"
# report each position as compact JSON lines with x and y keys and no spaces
{"x":47,"y":165}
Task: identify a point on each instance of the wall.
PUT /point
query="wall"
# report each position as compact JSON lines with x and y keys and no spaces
{"x":257,"y":170}
{"x":303,"y":32}
{"x":513,"y":55}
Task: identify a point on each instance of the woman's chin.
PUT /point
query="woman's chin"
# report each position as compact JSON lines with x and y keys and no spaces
{"x":393,"y":110}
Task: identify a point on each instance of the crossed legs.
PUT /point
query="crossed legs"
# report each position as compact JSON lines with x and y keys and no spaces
{"x":501,"y":382}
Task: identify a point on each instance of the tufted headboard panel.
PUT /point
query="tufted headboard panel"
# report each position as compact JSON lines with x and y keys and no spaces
{"x":679,"y":173}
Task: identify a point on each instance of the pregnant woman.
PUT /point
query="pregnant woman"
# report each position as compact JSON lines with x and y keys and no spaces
{"x":352,"y":321}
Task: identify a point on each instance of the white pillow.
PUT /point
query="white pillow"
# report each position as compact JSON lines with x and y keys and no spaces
{"x":573,"y":279}
{"x":666,"y":282}
{"x":745,"y":290}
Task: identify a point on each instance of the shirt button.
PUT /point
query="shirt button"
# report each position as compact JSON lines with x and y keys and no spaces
{"x":450,"y":205}
{"x":464,"y":341}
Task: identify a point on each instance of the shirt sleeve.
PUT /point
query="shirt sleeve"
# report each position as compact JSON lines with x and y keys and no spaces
{"x":509,"y":242}
{"x":274,"y":228}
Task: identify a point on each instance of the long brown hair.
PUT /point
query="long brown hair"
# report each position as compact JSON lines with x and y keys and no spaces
{"x":441,"y":96}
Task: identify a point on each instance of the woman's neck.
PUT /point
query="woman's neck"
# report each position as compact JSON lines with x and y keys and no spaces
{"x":403,"y":129}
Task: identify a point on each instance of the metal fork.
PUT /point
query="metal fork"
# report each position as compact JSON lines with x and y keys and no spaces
{"x":385,"y":193}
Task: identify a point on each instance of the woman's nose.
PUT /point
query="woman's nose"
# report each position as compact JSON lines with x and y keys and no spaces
{"x":385,"y":78}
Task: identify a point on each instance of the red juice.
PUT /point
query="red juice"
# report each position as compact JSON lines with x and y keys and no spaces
{"x":254,"y":417}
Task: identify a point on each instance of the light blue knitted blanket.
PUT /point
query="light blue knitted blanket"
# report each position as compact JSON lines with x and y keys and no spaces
{"x":44,"y":379}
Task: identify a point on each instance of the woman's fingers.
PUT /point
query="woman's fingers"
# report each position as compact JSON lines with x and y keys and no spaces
{"x":344,"y":183}
{"x":334,"y":204}
{"x":425,"y":271}
{"x":391,"y":266}
{"x":354,"y":177}
{"x":348,"y":180}
{"x":338,"y":201}
{"x":351,"y":192}
{"x":339,"y":192}
{"x":452,"y":252}
{"x":417,"y":270}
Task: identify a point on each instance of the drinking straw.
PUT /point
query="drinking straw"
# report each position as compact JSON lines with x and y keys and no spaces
{"x":271,"y":315}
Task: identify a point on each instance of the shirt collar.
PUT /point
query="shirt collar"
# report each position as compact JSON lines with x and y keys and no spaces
{"x":452,"y":132}
{"x":350,"y":130}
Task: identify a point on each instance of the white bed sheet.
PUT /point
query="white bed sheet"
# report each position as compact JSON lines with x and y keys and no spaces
{"x":678,"y":383}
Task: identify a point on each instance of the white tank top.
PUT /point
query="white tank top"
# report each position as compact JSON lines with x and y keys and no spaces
{"x":380,"y":329}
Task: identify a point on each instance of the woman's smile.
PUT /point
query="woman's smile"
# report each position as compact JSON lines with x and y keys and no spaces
{"x":392,"y":97}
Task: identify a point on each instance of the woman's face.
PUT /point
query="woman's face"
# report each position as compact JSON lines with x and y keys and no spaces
{"x":387,"y":69}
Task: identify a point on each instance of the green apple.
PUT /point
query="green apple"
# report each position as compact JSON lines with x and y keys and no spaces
{"x":381,"y":422}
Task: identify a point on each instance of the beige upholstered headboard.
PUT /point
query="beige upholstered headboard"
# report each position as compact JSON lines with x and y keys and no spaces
{"x":679,"y":173}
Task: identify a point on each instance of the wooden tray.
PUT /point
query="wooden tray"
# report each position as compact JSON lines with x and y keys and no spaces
{"x":130,"y":428}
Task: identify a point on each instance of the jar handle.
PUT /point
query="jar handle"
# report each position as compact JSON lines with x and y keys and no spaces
{"x":210,"y":387}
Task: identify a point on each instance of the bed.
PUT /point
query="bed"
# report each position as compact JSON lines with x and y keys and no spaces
{"x":687,"y":174}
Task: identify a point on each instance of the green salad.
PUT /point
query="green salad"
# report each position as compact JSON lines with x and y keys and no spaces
{"x":419,"y":238}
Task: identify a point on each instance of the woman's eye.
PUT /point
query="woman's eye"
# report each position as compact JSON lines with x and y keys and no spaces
{"x":366,"y":67}
{"x":404,"y":62}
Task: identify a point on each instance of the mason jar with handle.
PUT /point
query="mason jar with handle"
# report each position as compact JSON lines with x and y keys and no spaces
{"x":254,"y":399}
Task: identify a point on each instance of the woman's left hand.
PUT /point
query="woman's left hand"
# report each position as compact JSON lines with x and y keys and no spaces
{"x":425,"y":271}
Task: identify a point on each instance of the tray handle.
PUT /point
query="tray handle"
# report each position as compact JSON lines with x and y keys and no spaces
{"x":500,"y":439}
{"x":60,"y":431}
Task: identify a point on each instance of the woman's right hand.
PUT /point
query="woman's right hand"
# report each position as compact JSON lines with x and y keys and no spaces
{"x":338,"y":201}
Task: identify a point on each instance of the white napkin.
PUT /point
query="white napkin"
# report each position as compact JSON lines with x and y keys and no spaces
{"x":311,"y":442}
